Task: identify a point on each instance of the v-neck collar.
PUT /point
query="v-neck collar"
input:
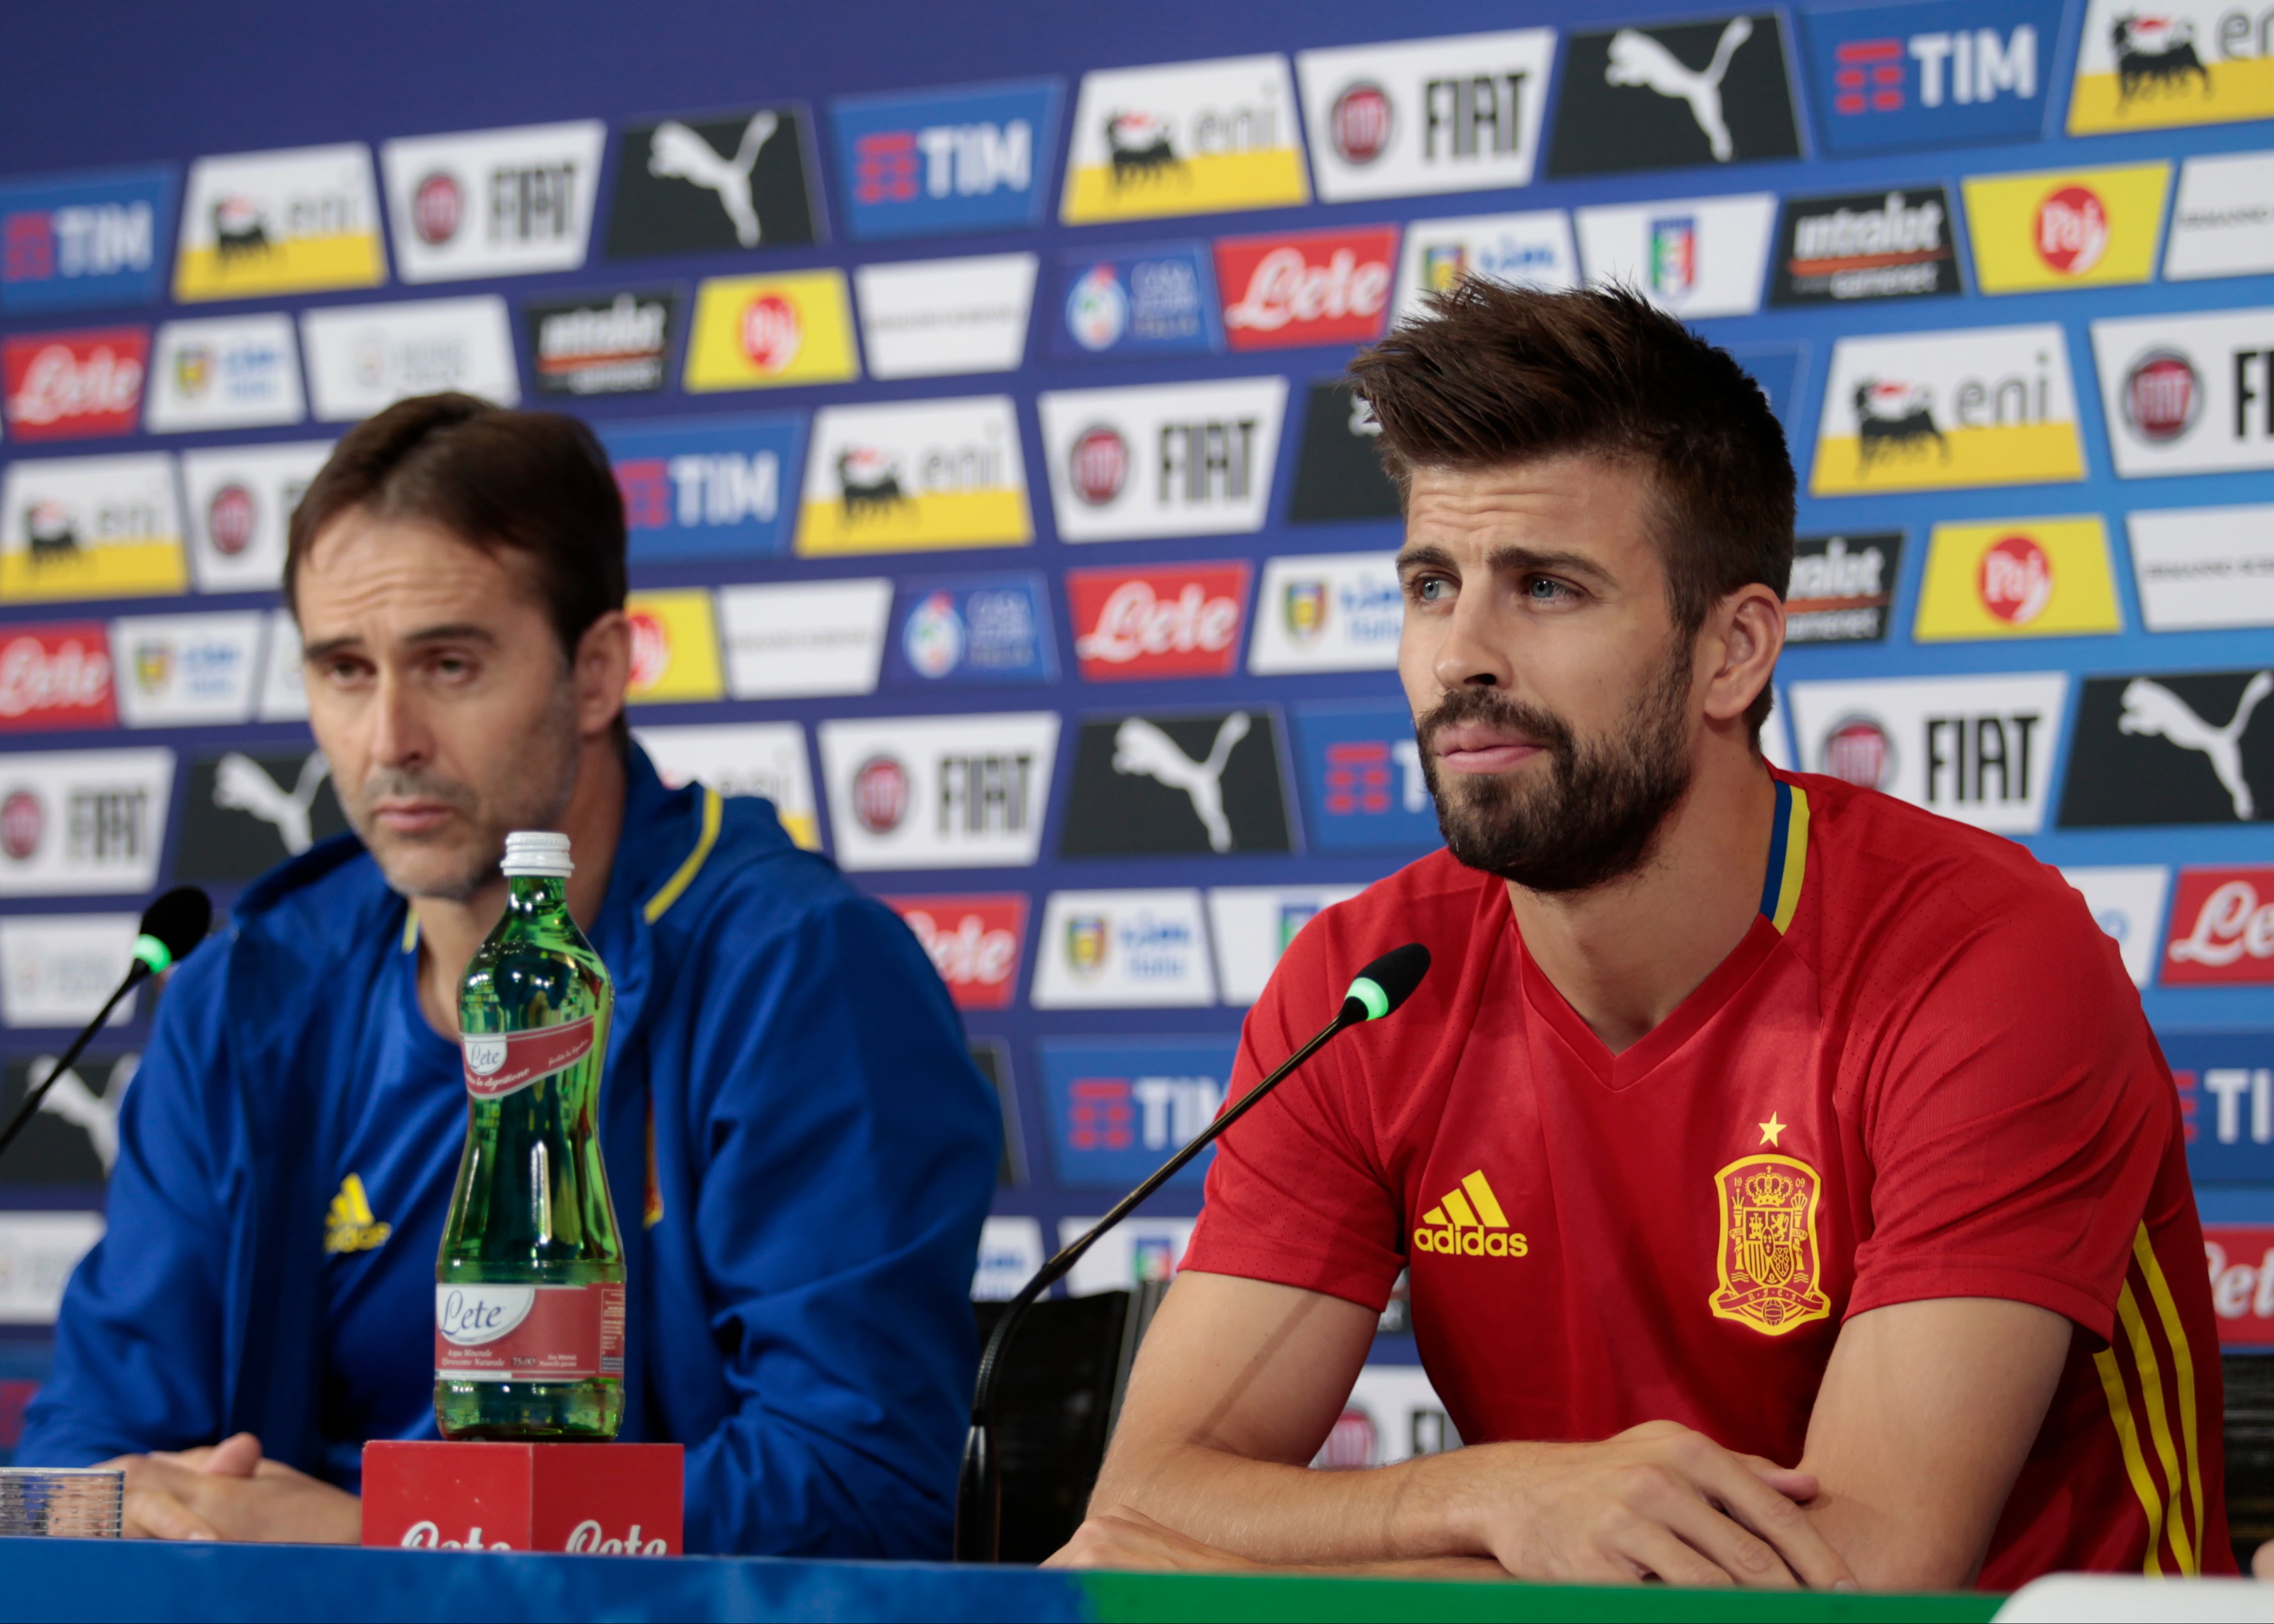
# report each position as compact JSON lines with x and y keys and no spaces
{"x":1781,"y":893}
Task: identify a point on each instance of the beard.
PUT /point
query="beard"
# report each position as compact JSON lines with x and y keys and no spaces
{"x":1595,"y":815}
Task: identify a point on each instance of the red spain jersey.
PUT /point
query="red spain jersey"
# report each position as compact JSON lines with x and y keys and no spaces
{"x":1923,"y":1073}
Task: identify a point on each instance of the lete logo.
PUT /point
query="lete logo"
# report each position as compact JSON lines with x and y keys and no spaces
{"x":2229,"y":932}
{"x":55,"y":676}
{"x":501,"y":1064}
{"x":1318,"y":288}
{"x":1181,"y":621}
{"x":62,"y":384}
{"x":973,"y":942}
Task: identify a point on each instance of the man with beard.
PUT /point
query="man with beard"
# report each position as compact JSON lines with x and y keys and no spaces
{"x":799,"y":1147}
{"x":1792,"y":1191}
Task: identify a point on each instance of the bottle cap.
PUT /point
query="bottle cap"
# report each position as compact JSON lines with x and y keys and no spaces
{"x":538,"y":851}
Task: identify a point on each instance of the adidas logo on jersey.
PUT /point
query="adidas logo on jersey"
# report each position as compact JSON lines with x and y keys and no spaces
{"x":349,"y":1226}
{"x":1469,"y":1223}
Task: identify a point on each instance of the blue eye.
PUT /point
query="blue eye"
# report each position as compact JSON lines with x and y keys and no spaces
{"x":1545,"y":589}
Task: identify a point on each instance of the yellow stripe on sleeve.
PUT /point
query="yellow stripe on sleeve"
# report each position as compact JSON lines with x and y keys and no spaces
{"x":713,"y":809}
{"x":2136,"y":1464}
{"x":2183,"y":1372}
{"x":2159,"y":1430}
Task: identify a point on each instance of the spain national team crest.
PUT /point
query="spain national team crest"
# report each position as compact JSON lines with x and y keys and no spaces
{"x":1769,"y":1263}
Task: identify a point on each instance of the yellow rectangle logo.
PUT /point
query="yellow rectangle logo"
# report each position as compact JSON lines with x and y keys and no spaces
{"x":768,"y":332}
{"x":2178,"y":63}
{"x":915,"y":476}
{"x":105,"y":569}
{"x":674,"y":647}
{"x":2066,"y":228}
{"x":292,"y":221}
{"x":1927,"y":412}
{"x":1192,"y":138}
{"x":2018,"y":578}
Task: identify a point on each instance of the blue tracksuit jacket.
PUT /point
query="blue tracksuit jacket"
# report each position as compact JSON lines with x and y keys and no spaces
{"x":822,"y":1154}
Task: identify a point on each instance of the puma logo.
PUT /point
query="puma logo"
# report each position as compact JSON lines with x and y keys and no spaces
{"x":96,"y":1114}
{"x":1142,"y":750}
{"x":1637,"y":59}
{"x":2152,"y":710}
{"x":676,"y":153}
{"x":241,"y":784}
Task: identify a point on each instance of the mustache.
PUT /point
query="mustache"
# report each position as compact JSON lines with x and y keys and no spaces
{"x":396,"y":784}
{"x":1491,"y":706}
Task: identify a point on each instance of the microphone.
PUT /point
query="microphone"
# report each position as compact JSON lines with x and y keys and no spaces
{"x":172,"y":927}
{"x":1380,"y":988}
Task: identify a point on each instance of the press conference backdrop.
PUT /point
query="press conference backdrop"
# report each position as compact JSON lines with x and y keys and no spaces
{"x":995,"y":507}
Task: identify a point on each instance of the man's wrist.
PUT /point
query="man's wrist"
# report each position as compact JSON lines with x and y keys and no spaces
{"x":1442,"y":1509}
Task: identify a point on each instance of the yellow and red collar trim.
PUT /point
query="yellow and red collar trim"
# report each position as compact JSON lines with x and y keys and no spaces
{"x":1788,"y":857}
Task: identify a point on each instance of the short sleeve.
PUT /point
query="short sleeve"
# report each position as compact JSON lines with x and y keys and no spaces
{"x":1297,"y":1194}
{"x":2016,"y":1115}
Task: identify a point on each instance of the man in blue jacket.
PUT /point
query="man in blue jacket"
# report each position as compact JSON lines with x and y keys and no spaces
{"x":800,"y":1148}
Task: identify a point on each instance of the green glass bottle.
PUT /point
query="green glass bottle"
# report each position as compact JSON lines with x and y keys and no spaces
{"x":528,"y":1290}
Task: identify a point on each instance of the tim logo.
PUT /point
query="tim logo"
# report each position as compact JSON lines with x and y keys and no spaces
{"x":1930,"y":72}
{"x":1960,"y":67}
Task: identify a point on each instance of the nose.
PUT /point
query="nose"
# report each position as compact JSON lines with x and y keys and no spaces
{"x":1473,"y":652}
{"x":400,"y":737}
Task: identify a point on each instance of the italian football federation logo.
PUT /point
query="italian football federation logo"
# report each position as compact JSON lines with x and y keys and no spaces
{"x":1768,"y":1262}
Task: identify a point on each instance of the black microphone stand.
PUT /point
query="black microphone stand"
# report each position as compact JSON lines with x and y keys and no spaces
{"x":136,"y":975}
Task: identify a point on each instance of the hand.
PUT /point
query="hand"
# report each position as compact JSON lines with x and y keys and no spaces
{"x":226,"y":1491}
{"x":1130,"y":1539}
{"x":1656,"y":1502}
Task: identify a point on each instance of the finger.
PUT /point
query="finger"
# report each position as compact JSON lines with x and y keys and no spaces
{"x":1768,"y":1513}
{"x":1736,"y":1550}
{"x":237,"y":1455}
{"x":153,"y":1513}
{"x":1651,"y":1549}
{"x":1789,"y":1481}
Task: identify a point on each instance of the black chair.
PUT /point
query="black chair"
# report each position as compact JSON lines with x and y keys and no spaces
{"x":1055,"y":1402}
{"x":2250,"y":1451}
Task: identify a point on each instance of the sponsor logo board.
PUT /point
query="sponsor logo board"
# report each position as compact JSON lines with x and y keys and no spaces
{"x":1010,"y":1252}
{"x":1121,"y":1108}
{"x":1392,"y":1414}
{"x":1338,"y":472}
{"x":90,"y":527}
{"x":55,"y":676}
{"x":1975,"y":749}
{"x":765,"y":759}
{"x":674,"y":647}
{"x":186,"y":670}
{"x":974,"y":942}
{"x":1330,"y":612}
{"x":1306,"y":288}
{"x":2222,"y":927}
{"x":1363,"y":788}
{"x":1157,"y":300}
{"x":615,"y":343}
{"x":992,"y":1056}
{"x":57,"y":969}
{"x":1674,"y":97}
{"x":88,"y":239}
{"x":2170,"y":747}
{"x":492,"y":202}
{"x":714,"y":184}
{"x":1137,"y":1251}
{"x":801,"y":639}
{"x":1775,"y":370}
{"x":363,"y":359}
{"x":2188,"y":394}
{"x":82,"y":823}
{"x":2182,"y":62}
{"x":1893,"y":245}
{"x":2223,"y":224}
{"x":915,"y":476}
{"x":1180,"y":459}
{"x":292,"y":221}
{"x":1944,"y":72}
{"x":766,"y":332}
{"x":2240,"y":1256}
{"x":38,"y":1253}
{"x":1188,"y":137}
{"x":931,"y":318}
{"x":1411,"y":116}
{"x":2066,"y":228}
{"x":971,"y":630}
{"x":70,"y":386}
{"x":1692,"y":256}
{"x":240,"y":500}
{"x":2226,"y":1095}
{"x":1255,"y":926}
{"x":1180,"y":620}
{"x":2017,"y":578}
{"x":225,"y":372}
{"x":2128,"y":903}
{"x":284,"y":695}
{"x":2203,"y":568}
{"x":1123,"y":949}
{"x":939,"y":791}
{"x":1529,"y":250}
{"x":1843,"y":587}
{"x":705,"y":488}
{"x":972,"y":159}
{"x":73,"y":1138}
{"x":1187,"y":785}
{"x":248,"y":810}
{"x":1925,"y":411}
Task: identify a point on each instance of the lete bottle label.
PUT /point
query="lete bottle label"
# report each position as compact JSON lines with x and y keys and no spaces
{"x":500,"y":1062}
{"x":528,"y":1333}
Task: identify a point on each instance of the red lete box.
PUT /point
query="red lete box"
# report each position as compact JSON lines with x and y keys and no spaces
{"x":613,"y":1498}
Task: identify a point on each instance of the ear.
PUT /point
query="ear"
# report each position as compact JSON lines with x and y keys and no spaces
{"x":603,"y":670}
{"x":1746,"y":634}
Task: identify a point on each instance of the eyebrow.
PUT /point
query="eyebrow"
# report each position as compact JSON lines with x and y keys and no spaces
{"x":1508,"y":561}
{"x":455,"y":631}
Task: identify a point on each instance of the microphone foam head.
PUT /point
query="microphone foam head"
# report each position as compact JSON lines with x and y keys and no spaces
{"x":1388,"y":980}
{"x":171,"y":925}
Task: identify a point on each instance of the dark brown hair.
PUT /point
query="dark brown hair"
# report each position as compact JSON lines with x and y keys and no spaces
{"x":1494,"y":375}
{"x":536,"y":483}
